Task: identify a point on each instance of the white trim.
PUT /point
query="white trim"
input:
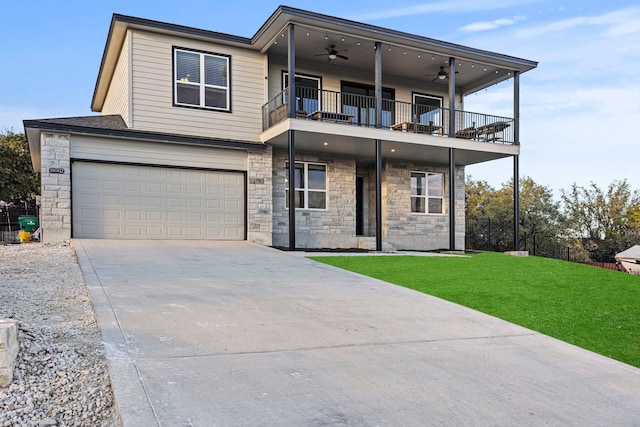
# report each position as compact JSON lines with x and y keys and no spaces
{"x":426,"y":196}
{"x":422,"y":95}
{"x":130,"y":70}
{"x":285,"y":82}
{"x":304,"y":76}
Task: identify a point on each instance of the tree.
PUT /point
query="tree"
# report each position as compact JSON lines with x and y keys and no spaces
{"x":477,"y":200}
{"x":18,"y":182}
{"x":490,"y":213}
{"x":603,"y":222}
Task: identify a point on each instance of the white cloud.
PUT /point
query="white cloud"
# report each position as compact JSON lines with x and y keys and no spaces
{"x":453,"y":6}
{"x":490,"y":25}
{"x":625,"y":28}
{"x":625,"y":21}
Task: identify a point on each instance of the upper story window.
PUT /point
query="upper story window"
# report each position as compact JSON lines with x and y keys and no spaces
{"x":202,"y":80}
{"x":427,"y":192}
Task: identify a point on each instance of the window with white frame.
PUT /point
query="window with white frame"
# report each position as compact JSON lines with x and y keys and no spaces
{"x":427,"y":192}
{"x":427,"y":108}
{"x":307,"y":92}
{"x":201,"y":80}
{"x":310,"y":185}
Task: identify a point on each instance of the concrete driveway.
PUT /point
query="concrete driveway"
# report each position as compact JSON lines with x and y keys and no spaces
{"x":230,"y":334}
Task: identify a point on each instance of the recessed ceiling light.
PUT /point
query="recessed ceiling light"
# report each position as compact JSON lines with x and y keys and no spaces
{"x":393,"y":150}
{"x":325,"y":143}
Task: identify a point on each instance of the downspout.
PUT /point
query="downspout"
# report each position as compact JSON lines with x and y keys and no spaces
{"x":378,"y":95}
{"x":452,"y":154}
{"x":291,"y":137}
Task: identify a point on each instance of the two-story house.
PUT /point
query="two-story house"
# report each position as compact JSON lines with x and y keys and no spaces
{"x":199,"y":132}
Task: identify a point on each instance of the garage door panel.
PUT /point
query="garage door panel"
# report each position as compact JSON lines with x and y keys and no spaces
{"x":130,"y":202}
{"x":106,"y":214}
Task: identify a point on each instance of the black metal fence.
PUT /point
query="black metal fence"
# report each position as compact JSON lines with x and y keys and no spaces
{"x":9,"y":226}
{"x":497,"y":236}
{"x":360,"y":110}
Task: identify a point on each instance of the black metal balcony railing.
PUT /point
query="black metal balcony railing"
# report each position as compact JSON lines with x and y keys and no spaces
{"x":359,"y":110}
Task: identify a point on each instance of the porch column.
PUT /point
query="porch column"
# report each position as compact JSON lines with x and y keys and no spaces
{"x":516,"y":161}
{"x":378,"y":89}
{"x":291,"y":137}
{"x":452,"y":154}
{"x":292,"y":71}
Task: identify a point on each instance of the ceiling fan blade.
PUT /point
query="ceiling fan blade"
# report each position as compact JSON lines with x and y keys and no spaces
{"x":342,"y":57}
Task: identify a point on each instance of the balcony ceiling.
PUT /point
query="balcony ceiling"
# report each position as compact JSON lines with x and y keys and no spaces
{"x":403,"y":55}
{"x":397,"y":60}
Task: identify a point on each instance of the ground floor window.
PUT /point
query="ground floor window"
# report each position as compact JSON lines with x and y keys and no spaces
{"x":310,"y":180}
{"x":427,"y":192}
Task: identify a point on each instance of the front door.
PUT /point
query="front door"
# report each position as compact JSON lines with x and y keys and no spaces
{"x":359,"y":101}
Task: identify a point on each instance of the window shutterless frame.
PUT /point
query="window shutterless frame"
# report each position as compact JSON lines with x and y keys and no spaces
{"x":201,"y":79}
{"x":427,"y":108}
{"x":427,"y":193}
{"x":307,"y":92}
{"x":310,"y":186}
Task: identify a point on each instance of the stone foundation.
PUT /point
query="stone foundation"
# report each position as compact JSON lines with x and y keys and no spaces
{"x":8,"y":350}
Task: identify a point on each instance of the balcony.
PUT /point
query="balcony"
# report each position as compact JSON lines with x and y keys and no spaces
{"x":397,"y":116}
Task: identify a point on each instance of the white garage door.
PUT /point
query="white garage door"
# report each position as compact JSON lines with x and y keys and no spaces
{"x":114,"y":201}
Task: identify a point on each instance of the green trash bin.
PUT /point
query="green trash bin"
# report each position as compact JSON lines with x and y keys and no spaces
{"x":28,"y":223}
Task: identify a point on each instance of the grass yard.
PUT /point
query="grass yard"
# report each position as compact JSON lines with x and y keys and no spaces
{"x":590,"y":307}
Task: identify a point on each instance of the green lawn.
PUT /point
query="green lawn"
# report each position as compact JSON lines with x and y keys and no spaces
{"x":590,"y":307}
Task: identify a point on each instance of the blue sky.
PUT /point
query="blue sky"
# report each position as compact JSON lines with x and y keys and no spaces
{"x":580,"y":109}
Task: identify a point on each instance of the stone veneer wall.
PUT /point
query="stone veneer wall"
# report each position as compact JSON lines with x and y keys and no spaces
{"x":331,"y":228}
{"x":55,"y":200}
{"x":406,"y":230}
{"x":259,"y":197}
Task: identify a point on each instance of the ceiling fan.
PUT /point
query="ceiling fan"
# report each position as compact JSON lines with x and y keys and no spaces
{"x":442,"y":75}
{"x":332,"y":53}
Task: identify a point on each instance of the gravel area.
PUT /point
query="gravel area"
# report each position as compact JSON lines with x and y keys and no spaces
{"x":61,"y":376}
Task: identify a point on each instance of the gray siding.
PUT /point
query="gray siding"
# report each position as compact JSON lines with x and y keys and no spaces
{"x":153,"y":91}
{"x":118,"y":97}
{"x":115,"y":150}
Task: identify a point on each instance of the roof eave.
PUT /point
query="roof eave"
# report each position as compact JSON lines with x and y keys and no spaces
{"x":285,"y":15}
{"x":33,"y":126}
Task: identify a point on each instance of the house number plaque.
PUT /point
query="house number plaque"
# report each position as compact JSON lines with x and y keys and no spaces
{"x":56,"y":170}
